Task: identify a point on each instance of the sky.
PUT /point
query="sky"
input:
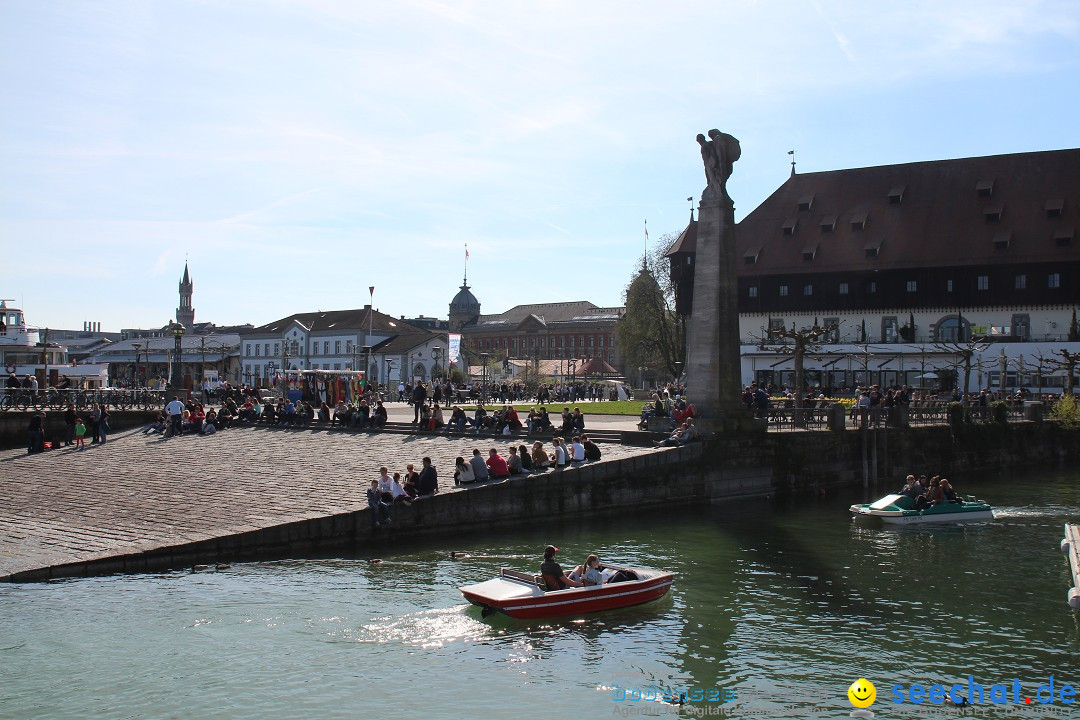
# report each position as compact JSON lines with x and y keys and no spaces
{"x":296,"y":153}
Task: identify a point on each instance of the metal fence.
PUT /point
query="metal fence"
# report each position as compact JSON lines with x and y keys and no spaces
{"x":780,"y":419}
{"x":21,"y":399}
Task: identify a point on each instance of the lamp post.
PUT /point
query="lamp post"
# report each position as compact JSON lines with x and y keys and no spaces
{"x":138,"y":347}
{"x":436,"y":353}
{"x":483,"y":373}
{"x":366,"y":352}
{"x":573,"y":372}
{"x":389,"y":364}
{"x":1004,"y":371}
{"x":178,"y":336}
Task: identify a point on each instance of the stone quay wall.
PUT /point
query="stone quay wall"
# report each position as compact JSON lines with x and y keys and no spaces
{"x":728,"y":467}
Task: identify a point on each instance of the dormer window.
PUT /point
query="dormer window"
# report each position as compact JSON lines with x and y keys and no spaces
{"x":858,"y":220}
{"x":984,"y":188}
{"x":828,"y":223}
{"x":751,"y":255}
{"x":1063,"y":238}
{"x":789,"y":226}
{"x":805,"y":202}
{"x":1002,"y":240}
{"x":873,"y":248}
{"x":992,"y":213}
{"x":896,"y":194}
{"x":809,"y":252}
{"x":1054,"y":207}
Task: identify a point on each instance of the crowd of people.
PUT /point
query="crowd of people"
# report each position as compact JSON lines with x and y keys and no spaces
{"x":446,"y":393}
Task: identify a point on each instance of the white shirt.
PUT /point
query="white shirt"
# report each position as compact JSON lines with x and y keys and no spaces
{"x":560,"y":455}
{"x":395,"y":489}
{"x":579,"y":451}
{"x":386,"y":484}
{"x":175,"y":408}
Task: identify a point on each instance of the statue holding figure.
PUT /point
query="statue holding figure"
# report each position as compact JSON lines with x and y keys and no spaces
{"x":719,"y":153}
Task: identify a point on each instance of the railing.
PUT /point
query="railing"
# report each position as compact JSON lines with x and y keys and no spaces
{"x":784,"y":418}
{"x":21,"y":399}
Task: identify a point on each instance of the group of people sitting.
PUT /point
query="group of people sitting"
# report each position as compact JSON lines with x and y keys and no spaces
{"x":362,"y":415}
{"x":193,"y":417}
{"x":682,"y":435}
{"x":677,"y":410}
{"x":939,"y":490}
{"x":387,"y":490}
{"x":521,"y":461}
{"x":501,"y":421}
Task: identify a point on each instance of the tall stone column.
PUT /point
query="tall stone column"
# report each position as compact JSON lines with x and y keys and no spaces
{"x":712,"y":361}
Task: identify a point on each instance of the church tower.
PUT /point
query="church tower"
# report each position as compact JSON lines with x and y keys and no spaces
{"x":185,"y":314}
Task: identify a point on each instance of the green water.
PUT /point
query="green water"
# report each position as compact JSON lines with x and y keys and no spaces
{"x":780,"y":607}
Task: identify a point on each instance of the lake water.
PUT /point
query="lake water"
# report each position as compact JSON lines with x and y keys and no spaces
{"x":777,"y":608}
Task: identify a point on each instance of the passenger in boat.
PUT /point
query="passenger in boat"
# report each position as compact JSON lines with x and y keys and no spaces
{"x":593,"y":572}
{"x":932,"y":496}
{"x":552,"y":572}
{"x":909,"y":488}
{"x":948,"y":491}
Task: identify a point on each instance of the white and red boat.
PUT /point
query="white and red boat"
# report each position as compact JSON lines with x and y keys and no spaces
{"x":523,"y":596}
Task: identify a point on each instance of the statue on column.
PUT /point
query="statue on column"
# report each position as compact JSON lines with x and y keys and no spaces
{"x":719,"y":153}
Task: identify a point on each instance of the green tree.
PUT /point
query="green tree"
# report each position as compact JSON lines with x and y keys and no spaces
{"x":651,"y":333}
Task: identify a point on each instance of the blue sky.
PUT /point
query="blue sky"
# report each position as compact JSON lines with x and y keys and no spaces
{"x":298,"y":152}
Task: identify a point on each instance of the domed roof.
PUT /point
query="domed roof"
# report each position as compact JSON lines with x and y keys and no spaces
{"x":465,"y":300}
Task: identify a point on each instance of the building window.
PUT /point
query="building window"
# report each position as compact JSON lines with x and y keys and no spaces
{"x":952,"y":329}
{"x":1054,"y":280}
{"x":326,"y":347}
{"x":889,"y":330}
{"x":337,"y":347}
{"x":1021,"y":327}
{"x":315,"y":348}
{"x":257,"y":350}
{"x":602,"y":340}
{"x":592,"y":341}
{"x":912,"y":286}
{"x":276,"y":346}
{"x":266,"y":349}
{"x":783,"y":291}
{"x":984,"y":282}
{"x":247,"y":351}
{"x":808,"y":290}
{"x":752,"y":290}
{"x":348,"y":346}
{"x":337,"y":366}
{"x":948,"y":286}
{"x":581,"y":341}
{"x":871,"y":287}
{"x":843,"y":288}
{"x":1021,"y":282}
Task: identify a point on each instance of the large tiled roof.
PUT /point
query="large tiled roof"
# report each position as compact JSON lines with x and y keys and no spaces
{"x":328,"y":320}
{"x":547,"y":314}
{"x":1000,"y":209}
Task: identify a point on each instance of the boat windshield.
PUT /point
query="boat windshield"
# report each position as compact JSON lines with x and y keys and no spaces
{"x":888,"y":500}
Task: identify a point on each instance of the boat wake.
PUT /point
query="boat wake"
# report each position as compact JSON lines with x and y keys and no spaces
{"x":427,"y":629}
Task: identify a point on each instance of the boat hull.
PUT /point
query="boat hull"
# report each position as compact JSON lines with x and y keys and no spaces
{"x":899,"y":509}
{"x":524,"y":600}
{"x":923,"y":519}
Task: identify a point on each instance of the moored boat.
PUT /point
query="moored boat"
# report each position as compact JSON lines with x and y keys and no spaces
{"x":900,"y":510}
{"x":523,"y":596}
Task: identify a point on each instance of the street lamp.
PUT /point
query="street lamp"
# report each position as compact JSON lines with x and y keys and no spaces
{"x":483,"y":372}
{"x":389,"y":365}
{"x":178,"y":335}
{"x":138,"y":348}
{"x":365,"y":350}
{"x":436,"y":353}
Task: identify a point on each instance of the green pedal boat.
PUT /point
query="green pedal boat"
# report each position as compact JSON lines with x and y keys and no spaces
{"x":900,"y":510}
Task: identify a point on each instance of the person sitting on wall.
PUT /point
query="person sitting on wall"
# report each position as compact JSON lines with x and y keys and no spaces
{"x":592,"y":450}
{"x":497,"y":467}
{"x":378,"y":418}
{"x":428,"y":483}
{"x":458,"y":419}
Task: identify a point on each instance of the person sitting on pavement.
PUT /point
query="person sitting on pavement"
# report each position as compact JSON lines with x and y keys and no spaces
{"x":458,"y":419}
{"x":158,"y":426}
{"x":359,"y":418}
{"x":397,"y":490}
{"x":578,"y":421}
{"x":592,"y":451}
{"x":324,"y":413}
{"x":380,"y":510}
{"x":510,"y":419}
{"x":567,"y":428}
{"x":436,"y":421}
{"x":479,"y":467}
{"x":552,"y":572}
{"x":378,"y":418}
{"x":577,"y":450}
{"x":513,"y":462}
{"x":341,"y":413}
{"x":480,"y":417}
{"x":496,"y":464}
{"x":540,"y":459}
{"x":559,"y":453}
{"x":463,"y":472}
{"x":428,"y":483}
{"x":526,"y":459}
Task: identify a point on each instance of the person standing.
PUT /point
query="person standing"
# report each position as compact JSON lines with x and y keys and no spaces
{"x":103,"y":422}
{"x":80,"y":434}
{"x":69,"y":422}
{"x":36,"y":435}
{"x":175,"y":411}
{"x":419,"y":398}
{"x":95,"y":424}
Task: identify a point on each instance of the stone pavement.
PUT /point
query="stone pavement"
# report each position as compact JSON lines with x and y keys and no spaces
{"x":137,"y":493}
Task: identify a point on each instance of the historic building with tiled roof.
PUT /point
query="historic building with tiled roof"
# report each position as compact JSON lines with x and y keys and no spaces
{"x":905,"y":258}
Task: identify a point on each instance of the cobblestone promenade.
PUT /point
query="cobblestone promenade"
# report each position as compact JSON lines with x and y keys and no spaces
{"x":139,"y":493}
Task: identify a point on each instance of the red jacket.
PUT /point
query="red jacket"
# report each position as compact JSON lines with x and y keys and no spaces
{"x":497,"y":465}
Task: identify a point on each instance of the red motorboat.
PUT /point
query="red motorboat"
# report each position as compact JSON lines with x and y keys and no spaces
{"x":521,"y":595}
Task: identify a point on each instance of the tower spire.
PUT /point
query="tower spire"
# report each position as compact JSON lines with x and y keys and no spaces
{"x":792,"y":154}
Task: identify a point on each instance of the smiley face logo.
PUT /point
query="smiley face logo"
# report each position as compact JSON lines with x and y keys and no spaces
{"x":862,"y":693}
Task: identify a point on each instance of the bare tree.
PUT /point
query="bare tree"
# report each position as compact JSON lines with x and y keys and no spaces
{"x":797,"y":343}
{"x":1065,"y":361}
{"x":963,"y":352}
